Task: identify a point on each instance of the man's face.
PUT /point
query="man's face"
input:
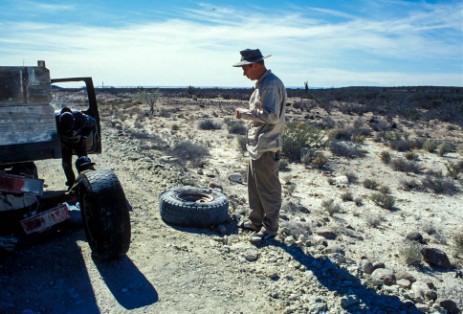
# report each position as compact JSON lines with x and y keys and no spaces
{"x":249,"y":71}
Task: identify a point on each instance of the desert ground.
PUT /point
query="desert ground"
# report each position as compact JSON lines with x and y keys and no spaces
{"x":375,"y":183}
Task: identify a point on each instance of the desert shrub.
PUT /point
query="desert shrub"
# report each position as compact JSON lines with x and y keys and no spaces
{"x":384,"y":189}
{"x":458,"y":241}
{"x":411,"y":185}
{"x":236,"y":127}
{"x":358,"y":201}
{"x":347,"y":197}
{"x":439,"y":185}
{"x":319,"y":161}
{"x":400,"y":145}
{"x":437,"y":234}
{"x":411,"y":156}
{"x":385,"y":156}
{"x":241,"y":141}
{"x":454,"y":169}
{"x":299,"y":136}
{"x":299,"y":230}
{"x":391,"y":136}
{"x":331,"y":207}
{"x":189,"y":151}
{"x":327,"y":123}
{"x":402,"y":165}
{"x":341,"y":134}
{"x":410,"y":254}
{"x":209,"y":124}
{"x":370,"y":184}
{"x":346,"y":149}
{"x":373,"y":219}
{"x":175,"y":127}
{"x":352,"y":177}
{"x":444,"y":148}
{"x":429,"y":146}
{"x":385,"y":201}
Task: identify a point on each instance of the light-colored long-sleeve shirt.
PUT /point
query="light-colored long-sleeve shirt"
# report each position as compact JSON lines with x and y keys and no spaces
{"x":266,"y":116}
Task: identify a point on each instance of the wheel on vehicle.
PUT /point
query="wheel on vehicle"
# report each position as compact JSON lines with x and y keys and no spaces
{"x":105,"y":214}
{"x":193,"y":207}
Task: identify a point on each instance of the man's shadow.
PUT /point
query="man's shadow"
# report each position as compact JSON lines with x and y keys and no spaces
{"x":331,"y":276}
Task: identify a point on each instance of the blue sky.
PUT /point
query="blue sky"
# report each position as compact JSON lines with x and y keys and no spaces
{"x":180,"y":43}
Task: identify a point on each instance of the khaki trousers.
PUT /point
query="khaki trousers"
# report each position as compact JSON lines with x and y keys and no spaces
{"x":264,"y":191}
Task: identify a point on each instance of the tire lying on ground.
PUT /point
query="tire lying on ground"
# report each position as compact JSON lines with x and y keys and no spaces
{"x":105,"y":214}
{"x":193,"y":207}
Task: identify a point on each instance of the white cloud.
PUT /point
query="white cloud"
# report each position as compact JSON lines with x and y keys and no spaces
{"x":198,"y":47}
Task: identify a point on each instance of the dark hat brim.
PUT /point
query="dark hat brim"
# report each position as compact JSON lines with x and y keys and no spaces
{"x":245,"y":62}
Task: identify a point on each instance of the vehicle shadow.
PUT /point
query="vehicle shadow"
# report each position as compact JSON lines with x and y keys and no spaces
{"x":49,"y":275}
{"x":359,"y":298}
{"x":127,"y":284}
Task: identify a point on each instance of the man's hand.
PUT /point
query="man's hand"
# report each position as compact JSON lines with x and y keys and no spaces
{"x":238,"y":112}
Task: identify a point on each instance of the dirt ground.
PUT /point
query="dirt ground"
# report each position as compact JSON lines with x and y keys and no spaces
{"x":170,"y":269}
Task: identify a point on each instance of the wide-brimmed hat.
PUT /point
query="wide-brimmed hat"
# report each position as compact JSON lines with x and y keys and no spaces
{"x":249,"y":56}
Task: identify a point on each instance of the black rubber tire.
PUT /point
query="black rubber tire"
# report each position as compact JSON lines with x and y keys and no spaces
{"x":193,"y":207}
{"x":105,"y":214}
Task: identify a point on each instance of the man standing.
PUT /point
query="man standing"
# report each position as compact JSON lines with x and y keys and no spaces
{"x":266,"y":119}
{"x":76,"y":130}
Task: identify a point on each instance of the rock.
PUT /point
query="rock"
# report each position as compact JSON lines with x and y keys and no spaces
{"x":289,"y":240}
{"x":385,"y":275}
{"x":327,"y":234}
{"x":319,"y":240}
{"x":366,"y":266}
{"x":317,"y":305}
{"x":404,"y":283}
{"x":420,"y":289}
{"x":214,"y":185}
{"x":404,"y":275}
{"x":340,"y":181}
{"x":251,"y":255}
{"x":377,"y":265}
{"x":449,"y":305}
{"x":334,"y":249}
{"x":416,"y":237}
{"x":347,"y":301}
{"x":436,"y":258}
{"x":431,"y":295}
{"x":236,"y":177}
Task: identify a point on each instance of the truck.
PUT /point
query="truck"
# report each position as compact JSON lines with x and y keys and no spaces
{"x":30,"y":102}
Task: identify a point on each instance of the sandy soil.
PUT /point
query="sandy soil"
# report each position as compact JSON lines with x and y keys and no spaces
{"x":170,"y":269}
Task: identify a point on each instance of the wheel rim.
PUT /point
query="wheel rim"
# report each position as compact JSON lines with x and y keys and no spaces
{"x":195,"y":197}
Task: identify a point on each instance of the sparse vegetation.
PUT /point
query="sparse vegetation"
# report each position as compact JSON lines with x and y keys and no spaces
{"x":189,"y":151}
{"x":385,"y":156}
{"x":385,"y":201}
{"x":236,"y":127}
{"x":458,"y":241}
{"x":370,"y":184}
{"x":410,"y":254}
{"x":299,"y":136}
{"x":347,"y":197}
{"x":439,"y":185}
{"x":209,"y":124}
{"x":403,"y":165}
{"x":331,"y":207}
{"x":373,"y":219}
{"x":346,"y":149}
{"x":444,"y":148}
{"x":454,"y":169}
